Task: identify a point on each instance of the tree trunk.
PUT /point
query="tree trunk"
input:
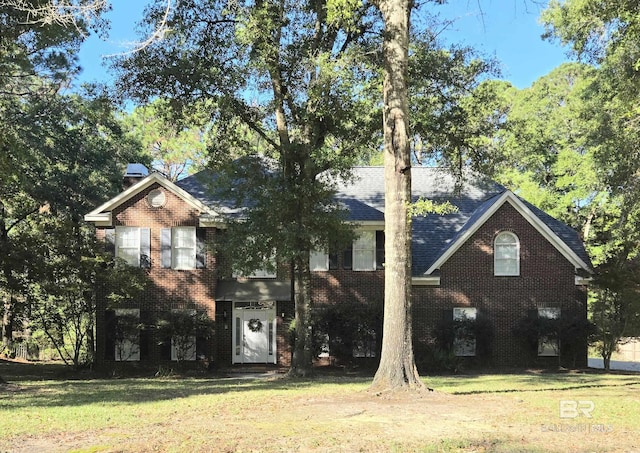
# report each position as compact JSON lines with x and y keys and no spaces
{"x":397,"y":368}
{"x":302,"y":360}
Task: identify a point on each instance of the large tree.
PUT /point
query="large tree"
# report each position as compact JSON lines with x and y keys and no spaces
{"x":176,"y":148}
{"x":606,"y":32}
{"x":397,"y":367}
{"x":293,"y":77}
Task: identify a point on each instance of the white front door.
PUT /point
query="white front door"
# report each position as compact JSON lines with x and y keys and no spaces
{"x":254,"y":333}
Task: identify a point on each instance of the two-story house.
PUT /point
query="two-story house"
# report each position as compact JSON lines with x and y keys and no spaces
{"x":497,"y":257}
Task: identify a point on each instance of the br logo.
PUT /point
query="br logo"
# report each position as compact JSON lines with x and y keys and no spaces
{"x":574,"y":409}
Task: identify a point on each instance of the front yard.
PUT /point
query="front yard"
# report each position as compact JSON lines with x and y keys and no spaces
{"x":527,"y":411}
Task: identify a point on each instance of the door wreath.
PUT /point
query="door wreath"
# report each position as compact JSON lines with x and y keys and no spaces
{"x":255,"y":325}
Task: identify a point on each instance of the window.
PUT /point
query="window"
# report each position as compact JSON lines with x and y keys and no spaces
{"x":183,"y":248}
{"x":464,"y":343}
{"x":364,"y":252}
{"x":547,"y":345}
{"x":131,"y":244}
{"x":506,"y":254}
{"x":122,"y":334}
{"x":319,"y":261}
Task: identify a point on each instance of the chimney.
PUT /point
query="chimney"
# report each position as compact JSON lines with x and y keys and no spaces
{"x":134,"y":173}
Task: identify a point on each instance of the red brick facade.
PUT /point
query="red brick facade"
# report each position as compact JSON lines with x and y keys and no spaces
{"x":466,"y":280}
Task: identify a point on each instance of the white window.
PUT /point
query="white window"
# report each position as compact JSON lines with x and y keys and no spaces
{"x":183,"y":247}
{"x":463,"y":344}
{"x":265,"y":272}
{"x":548,"y":347}
{"x":319,"y":261}
{"x":183,"y":341}
{"x":506,"y":254}
{"x":127,"y":342}
{"x":128,"y":245}
{"x":364,"y":252}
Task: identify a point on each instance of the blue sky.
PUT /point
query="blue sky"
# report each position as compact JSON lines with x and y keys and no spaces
{"x":506,"y":29}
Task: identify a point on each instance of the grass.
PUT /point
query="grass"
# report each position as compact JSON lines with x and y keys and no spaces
{"x":492,"y":412}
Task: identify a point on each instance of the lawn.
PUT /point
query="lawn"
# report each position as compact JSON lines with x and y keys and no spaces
{"x":527,"y":411}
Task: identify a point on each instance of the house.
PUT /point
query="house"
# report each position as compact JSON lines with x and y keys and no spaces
{"x":482,"y":271}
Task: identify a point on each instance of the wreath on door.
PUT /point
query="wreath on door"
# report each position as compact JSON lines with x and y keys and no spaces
{"x":255,"y":325}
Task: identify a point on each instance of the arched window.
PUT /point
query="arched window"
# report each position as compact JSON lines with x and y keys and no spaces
{"x":506,"y":254}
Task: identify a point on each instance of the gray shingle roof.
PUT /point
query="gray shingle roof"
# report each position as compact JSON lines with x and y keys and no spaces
{"x":433,"y":234}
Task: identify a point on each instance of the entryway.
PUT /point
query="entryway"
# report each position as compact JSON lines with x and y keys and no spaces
{"x":254,"y":332}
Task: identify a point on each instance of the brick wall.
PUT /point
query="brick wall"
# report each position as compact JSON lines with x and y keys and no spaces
{"x":466,"y":280}
{"x":182,"y":289}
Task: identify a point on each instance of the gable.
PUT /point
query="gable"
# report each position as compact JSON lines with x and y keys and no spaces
{"x":103,"y":214}
{"x":551,"y":229}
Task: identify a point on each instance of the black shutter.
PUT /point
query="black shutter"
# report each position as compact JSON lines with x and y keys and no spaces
{"x":145,"y":334}
{"x":165,"y":247}
{"x":379,"y":250}
{"x":447,"y":314}
{"x":110,"y":241}
{"x":347,"y":258}
{"x":333,"y":260}
{"x":201,"y":248}
{"x":111,"y":324}
{"x":145,"y":248}
{"x":201,"y":347}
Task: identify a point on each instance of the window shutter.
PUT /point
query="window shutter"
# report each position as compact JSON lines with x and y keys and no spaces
{"x":165,"y":247}
{"x":145,"y":334}
{"x":145,"y":248}
{"x":201,"y":248}
{"x":110,"y":323}
{"x":333,"y":260}
{"x":347,"y":258}
{"x":201,"y":347}
{"x":379,"y":250}
{"x":110,"y":241}
{"x":447,"y":314}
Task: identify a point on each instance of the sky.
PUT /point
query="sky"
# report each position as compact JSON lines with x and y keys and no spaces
{"x":505,"y":29}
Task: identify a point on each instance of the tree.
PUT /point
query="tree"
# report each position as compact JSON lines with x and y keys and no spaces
{"x":175,"y":149}
{"x":38,"y":43}
{"x":397,"y":367}
{"x":68,"y":271}
{"x":291,"y":75}
{"x":606,"y":33}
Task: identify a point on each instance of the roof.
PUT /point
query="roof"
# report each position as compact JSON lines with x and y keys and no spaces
{"x":435,"y":237}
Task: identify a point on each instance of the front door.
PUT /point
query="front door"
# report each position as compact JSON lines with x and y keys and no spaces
{"x":254,"y":333}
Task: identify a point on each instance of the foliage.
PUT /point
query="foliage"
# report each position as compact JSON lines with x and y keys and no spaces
{"x":569,"y":334}
{"x":174,"y":148}
{"x":451,"y":112}
{"x":479,"y":329}
{"x":346,"y":327}
{"x":615,"y":306}
{"x":183,"y":328}
{"x":67,"y":273}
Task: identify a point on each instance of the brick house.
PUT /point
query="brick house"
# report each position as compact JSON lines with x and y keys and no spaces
{"x":498,"y":258}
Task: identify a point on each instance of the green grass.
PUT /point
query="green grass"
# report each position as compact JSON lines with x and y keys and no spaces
{"x":491,"y":412}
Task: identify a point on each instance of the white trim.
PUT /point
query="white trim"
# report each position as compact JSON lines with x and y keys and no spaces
{"x":498,"y":271}
{"x":431,"y":280}
{"x":367,"y":224}
{"x":583,"y":281}
{"x":538,"y":224}
{"x":101,"y":212}
{"x":100,"y":219}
